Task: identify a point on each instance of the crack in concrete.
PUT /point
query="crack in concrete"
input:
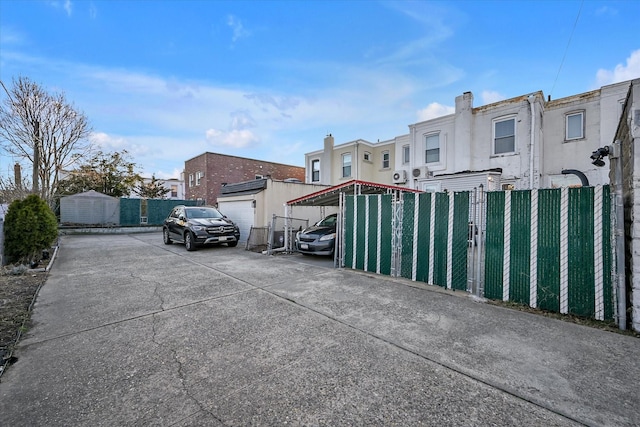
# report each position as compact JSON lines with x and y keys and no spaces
{"x":180,"y":371}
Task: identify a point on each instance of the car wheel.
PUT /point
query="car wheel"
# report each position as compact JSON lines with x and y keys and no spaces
{"x":232,"y":244}
{"x":188,"y":242}
{"x":165,"y":237}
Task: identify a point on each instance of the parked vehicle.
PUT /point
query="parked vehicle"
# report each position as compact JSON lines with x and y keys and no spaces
{"x":199,"y":225}
{"x":319,"y":239}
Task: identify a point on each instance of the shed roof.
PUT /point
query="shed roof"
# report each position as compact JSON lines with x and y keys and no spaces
{"x":331,"y":196}
{"x":247,"y":187}
{"x":89,"y":194}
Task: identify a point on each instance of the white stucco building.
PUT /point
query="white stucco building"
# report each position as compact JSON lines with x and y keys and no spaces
{"x":519,"y":143}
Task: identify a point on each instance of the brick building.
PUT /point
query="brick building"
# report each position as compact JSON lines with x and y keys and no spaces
{"x":205,"y":174}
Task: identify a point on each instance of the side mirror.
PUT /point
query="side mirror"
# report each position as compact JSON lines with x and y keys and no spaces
{"x":181,"y":217}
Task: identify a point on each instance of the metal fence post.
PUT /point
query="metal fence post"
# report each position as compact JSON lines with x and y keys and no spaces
{"x":479,"y":291}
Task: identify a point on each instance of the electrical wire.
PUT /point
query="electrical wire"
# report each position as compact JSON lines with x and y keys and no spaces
{"x":575,"y":24}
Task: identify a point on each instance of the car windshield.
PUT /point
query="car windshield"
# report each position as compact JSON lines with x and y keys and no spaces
{"x":329,"y":221}
{"x":203,"y":213}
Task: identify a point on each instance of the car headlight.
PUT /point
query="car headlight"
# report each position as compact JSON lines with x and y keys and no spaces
{"x":198,"y":228}
{"x":328,"y":237}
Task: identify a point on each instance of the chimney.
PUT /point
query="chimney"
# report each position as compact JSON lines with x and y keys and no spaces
{"x":328,"y":143}
{"x":464,"y":102}
{"x":17,"y":175}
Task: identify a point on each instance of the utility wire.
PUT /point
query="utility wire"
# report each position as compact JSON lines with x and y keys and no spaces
{"x":575,"y":24}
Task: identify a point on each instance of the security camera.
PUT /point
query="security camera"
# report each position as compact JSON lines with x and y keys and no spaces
{"x":598,"y":155}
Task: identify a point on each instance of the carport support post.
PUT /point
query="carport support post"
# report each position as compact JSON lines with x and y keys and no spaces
{"x":338,"y":248}
{"x":287,"y":228}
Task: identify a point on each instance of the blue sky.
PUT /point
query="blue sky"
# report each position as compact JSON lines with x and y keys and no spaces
{"x":168,"y":80}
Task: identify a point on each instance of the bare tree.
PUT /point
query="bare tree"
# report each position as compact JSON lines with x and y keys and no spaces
{"x":43,"y":129}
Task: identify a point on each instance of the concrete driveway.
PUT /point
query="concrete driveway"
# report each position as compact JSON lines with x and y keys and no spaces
{"x":128,"y":331}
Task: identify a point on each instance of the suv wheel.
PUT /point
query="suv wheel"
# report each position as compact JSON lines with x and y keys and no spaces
{"x":165,"y":237}
{"x":232,"y":244}
{"x":188,"y":242}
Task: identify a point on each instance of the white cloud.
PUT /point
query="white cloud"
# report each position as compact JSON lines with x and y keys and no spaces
{"x":491,"y":96}
{"x":234,"y":139}
{"x":239,"y":32}
{"x":107,"y":142}
{"x":10,"y":36}
{"x":434,"y":110}
{"x":67,"y":5}
{"x":606,"y":10}
{"x":93,"y":11}
{"x":621,"y":72}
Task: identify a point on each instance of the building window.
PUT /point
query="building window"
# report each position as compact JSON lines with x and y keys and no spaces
{"x":504,"y":136}
{"x":575,"y":125}
{"x":385,"y":160}
{"x":367,"y":156}
{"x":432,"y":148}
{"x":346,"y":165}
{"x":190,"y":180}
{"x":406,"y":155}
{"x":198,"y":177}
{"x":315,"y":170}
{"x":174,"y":191}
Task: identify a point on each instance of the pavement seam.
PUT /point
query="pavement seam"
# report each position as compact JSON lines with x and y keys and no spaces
{"x":532,"y":400}
{"x":497,"y":386}
{"x":469,"y":375}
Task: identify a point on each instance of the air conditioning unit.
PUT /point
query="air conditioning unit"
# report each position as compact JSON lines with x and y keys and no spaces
{"x":400,"y":177}
{"x":421,"y":172}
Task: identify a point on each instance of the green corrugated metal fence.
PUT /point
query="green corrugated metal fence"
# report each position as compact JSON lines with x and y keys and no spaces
{"x":551,"y":249}
{"x":131,"y":210}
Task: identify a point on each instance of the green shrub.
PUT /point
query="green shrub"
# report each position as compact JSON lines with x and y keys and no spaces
{"x":29,"y":227}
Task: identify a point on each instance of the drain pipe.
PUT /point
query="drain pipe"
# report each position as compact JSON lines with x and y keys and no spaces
{"x":532,"y":144}
{"x":583,"y":178}
{"x":615,"y":154}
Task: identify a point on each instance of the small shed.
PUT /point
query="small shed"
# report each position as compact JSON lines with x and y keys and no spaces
{"x":90,"y":208}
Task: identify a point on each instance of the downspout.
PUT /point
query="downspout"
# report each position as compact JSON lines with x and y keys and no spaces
{"x":356,"y":162}
{"x":413,"y":154}
{"x":621,"y":288}
{"x":532,"y":143}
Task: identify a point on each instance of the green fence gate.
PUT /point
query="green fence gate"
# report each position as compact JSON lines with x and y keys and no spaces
{"x":422,"y":237}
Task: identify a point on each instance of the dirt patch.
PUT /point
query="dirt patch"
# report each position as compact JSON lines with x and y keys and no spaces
{"x":592,"y":323}
{"x":17,"y":293}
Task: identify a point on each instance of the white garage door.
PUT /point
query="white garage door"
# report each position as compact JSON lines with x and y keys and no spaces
{"x":241,"y":212}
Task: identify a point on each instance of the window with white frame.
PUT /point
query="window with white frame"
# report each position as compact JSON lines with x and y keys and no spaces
{"x":346,"y":165}
{"x":386,"y":159}
{"x":198,"y":177}
{"x":504,"y":136}
{"x":174,"y":191}
{"x":432,"y":148}
{"x":190,"y":180}
{"x":367,"y":156}
{"x":315,"y":170}
{"x":406,"y":154}
{"x":575,"y":125}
